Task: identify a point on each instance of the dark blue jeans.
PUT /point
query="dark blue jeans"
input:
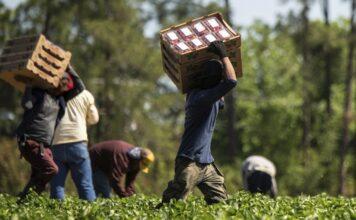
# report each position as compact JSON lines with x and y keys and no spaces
{"x":73,"y":157}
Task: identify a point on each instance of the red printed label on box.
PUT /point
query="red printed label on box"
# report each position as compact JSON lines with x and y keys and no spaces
{"x":210,"y":38}
{"x":197,"y":43}
{"x":213,"y":23}
{"x":172,"y":36}
{"x":200,"y":28}
{"x":224,"y":34}
{"x":182,"y":47}
{"x":186,"y":32}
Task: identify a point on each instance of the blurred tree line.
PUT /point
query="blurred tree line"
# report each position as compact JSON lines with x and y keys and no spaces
{"x":295,"y":103}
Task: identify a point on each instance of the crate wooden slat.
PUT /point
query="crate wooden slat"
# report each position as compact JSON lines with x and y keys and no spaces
{"x":33,"y":61}
{"x":26,"y":72}
{"x":15,"y":56}
{"x":22,"y":40}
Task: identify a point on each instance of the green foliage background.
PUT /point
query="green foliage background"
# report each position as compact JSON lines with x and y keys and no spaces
{"x":137,"y":103}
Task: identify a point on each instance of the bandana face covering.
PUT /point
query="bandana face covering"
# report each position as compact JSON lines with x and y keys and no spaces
{"x":70,"y":84}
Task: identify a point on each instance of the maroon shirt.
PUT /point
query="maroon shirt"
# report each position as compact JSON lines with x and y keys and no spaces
{"x":112,"y":158}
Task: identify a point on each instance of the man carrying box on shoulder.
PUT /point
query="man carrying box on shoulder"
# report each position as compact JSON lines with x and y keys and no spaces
{"x":112,"y":160}
{"x":194,"y":165}
{"x":42,"y":111}
{"x":70,"y":149}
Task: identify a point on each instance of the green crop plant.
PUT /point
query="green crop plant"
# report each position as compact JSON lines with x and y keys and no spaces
{"x":239,"y":206}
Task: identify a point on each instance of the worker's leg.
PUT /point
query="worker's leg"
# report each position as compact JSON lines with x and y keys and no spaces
{"x":79,"y":162}
{"x":42,"y":165}
{"x":101,"y":184}
{"x":212,"y":185}
{"x":185,"y":178}
{"x":30,"y":184}
{"x":58,"y":181}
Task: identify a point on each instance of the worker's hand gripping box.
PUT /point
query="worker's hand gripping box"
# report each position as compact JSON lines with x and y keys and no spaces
{"x":184,"y":48}
{"x":33,"y":61}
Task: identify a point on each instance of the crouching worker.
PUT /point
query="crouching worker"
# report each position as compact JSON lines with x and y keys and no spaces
{"x":42,"y":111}
{"x":194,"y":164}
{"x":111,"y":160}
{"x":70,"y":150}
{"x":258,"y":174}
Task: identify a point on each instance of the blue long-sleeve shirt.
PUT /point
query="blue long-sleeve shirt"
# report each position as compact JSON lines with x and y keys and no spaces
{"x":201,"y":110}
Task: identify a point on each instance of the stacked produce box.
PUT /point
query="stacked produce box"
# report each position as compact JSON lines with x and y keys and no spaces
{"x":184,"y":48}
{"x":33,"y":61}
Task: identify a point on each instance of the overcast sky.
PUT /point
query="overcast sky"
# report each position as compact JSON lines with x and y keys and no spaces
{"x":246,"y":11}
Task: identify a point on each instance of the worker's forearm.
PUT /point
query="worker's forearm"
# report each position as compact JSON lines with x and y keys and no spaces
{"x":92,"y":115}
{"x":119,"y":190}
{"x":228,"y":68}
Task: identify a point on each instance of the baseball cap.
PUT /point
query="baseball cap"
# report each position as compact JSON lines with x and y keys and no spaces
{"x":147,"y":158}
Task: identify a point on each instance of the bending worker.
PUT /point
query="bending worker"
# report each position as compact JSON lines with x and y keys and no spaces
{"x":258,"y":174}
{"x":194,"y":165}
{"x":111,"y":160}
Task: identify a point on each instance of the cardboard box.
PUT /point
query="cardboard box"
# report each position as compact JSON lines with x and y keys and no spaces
{"x":33,"y":61}
{"x":183,"y":65}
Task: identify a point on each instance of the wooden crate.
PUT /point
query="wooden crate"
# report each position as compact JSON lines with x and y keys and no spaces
{"x":184,"y":75}
{"x":33,"y":61}
{"x":182,"y":68}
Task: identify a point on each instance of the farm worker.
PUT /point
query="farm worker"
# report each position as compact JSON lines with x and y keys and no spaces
{"x":194,"y":164}
{"x":258,"y":174}
{"x":111,"y":160}
{"x":70,"y":149}
{"x":43,"y":109}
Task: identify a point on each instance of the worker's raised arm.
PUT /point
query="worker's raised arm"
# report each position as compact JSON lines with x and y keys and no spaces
{"x":218,"y":48}
{"x":31,"y":97}
{"x":213,"y":94}
{"x":229,"y":69}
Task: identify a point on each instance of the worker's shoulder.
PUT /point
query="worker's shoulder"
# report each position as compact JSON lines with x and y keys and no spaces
{"x":112,"y":144}
{"x":85,"y":96}
{"x":86,"y":93}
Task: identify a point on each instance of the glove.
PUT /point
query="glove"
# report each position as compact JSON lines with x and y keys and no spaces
{"x":218,"y":48}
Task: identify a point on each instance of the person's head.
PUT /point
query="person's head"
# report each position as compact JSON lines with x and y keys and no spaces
{"x":145,"y":157}
{"x":259,"y":182}
{"x":212,"y":74}
{"x":66,"y":84}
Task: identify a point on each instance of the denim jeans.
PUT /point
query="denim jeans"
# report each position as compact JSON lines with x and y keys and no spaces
{"x":73,"y":157}
{"x":101,"y":183}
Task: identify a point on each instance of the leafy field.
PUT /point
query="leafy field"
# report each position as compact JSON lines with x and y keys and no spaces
{"x":239,"y":206}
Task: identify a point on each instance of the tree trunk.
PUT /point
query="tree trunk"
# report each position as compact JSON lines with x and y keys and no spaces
{"x":306,"y":106}
{"x":47,"y":21}
{"x":230,"y":104}
{"x":347,"y":116}
{"x":327,"y":60}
